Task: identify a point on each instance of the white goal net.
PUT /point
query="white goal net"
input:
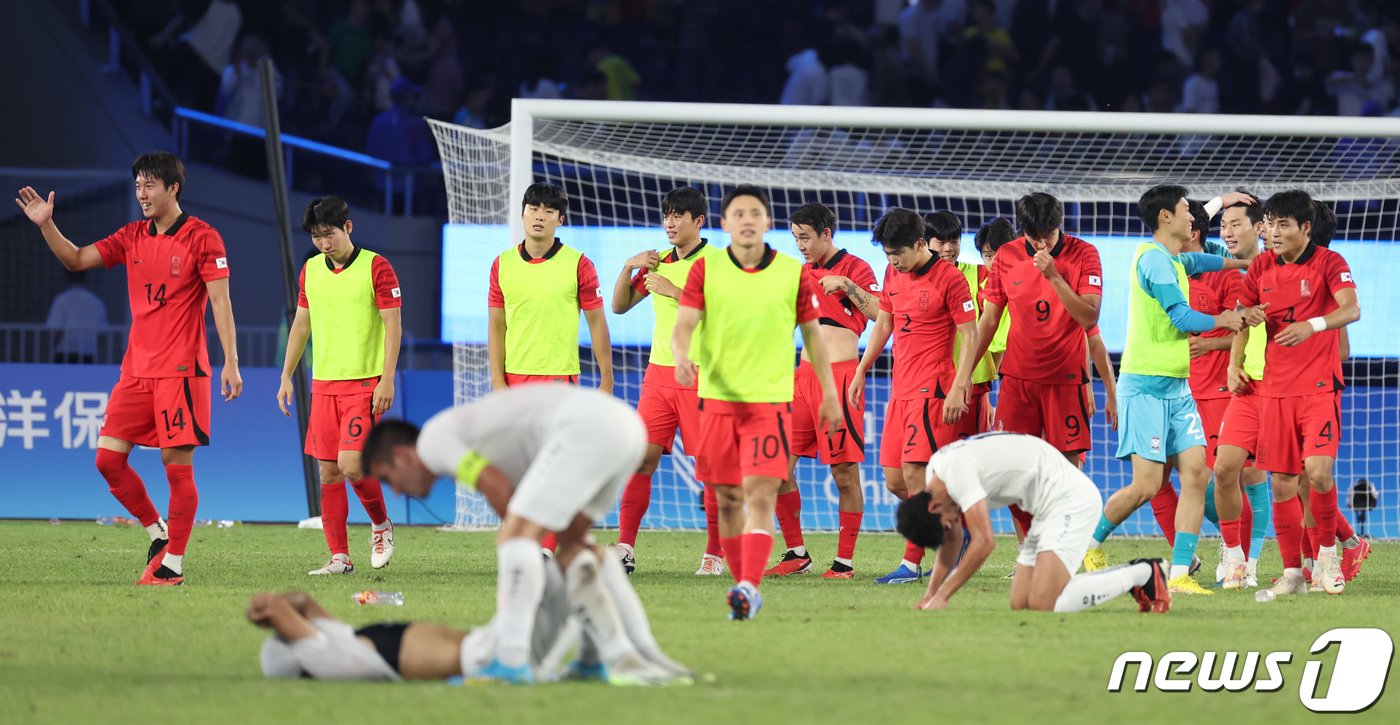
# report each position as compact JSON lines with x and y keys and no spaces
{"x":616,"y":161}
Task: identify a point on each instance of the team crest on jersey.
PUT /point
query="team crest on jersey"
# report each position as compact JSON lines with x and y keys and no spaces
{"x":175,"y":266}
{"x":923,"y":300}
{"x":1156,"y":443}
{"x":1304,"y":288}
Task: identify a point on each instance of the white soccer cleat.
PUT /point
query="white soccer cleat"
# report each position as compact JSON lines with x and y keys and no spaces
{"x":1251,"y":574}
{"x":1235,"y":570}
{"x":1288,"y":585}
{"x":710,"y":565}
{"x":627,"y":556}
{"x":381,"y":546}
{"x":339,"y":564}
{"x":1329,"y":571}
{"x":633,"y":670}
{"x":1222,"y":567}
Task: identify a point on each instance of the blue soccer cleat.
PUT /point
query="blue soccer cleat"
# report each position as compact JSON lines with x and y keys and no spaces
{"x":497,"y":673}
{"x":580,"y":671}
{"x":744,"y":602}
{"x":902,"y":575}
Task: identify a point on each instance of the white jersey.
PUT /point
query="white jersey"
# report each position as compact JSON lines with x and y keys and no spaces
{"x":511,"y":428}
{"x":1009,"y":468}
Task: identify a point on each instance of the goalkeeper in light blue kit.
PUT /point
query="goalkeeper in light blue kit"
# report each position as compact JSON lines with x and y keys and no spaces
{"x":1158,"y":423}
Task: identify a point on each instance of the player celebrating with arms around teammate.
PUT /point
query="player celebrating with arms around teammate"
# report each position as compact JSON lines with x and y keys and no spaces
{"x":665,"y":405}
{"x":751,"y":299}
{"x":850,"y":299}
{"x":969,"y":478}
{"x":925,"y":303}
{"x":1308,"y":295}
{"x":176,"y":268}
{"x":358,"y":327}
{"x":1158,"y":423}
{"x":1052,"y":283}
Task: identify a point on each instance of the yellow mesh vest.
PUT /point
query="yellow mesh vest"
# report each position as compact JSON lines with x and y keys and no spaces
{"x":986,"y":369}
{"x":1154,"y":345}
{"x":541,"y":312}
{"x":666,"y":309}
{"x":748,"y":354}
{"x":345,"y":323}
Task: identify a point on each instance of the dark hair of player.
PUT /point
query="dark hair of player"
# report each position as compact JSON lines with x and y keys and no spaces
{"x":1038,"y":214}
{"x":993,"y":234}
{"x":683,"y":200}
{"x":898,"y":229}
{"x":325,"y":212}
{"x":1254,"y":210}
{"x":1324,"y":224}
{"x":1293,"y":204}
{"x":1200,"y":220}
{"x":913,"y":521}
{"x":383,"y":437}
{"x":548,"y":196}
{"x":744,"y":190}
{"x":1154,"y":201}
{"x":816,"y":216}
{"x":161,"y":165}
{"x":942,"y":225}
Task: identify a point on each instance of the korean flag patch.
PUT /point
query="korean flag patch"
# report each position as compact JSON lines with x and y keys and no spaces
{"x":1095,"y":280}
{"x":221,"y":263}
{"x":968,"y":306}
{"x":395,"y":293}
{"x":1346,"y":276}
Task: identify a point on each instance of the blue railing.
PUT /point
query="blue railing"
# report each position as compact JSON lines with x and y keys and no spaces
{"x":390,"y":174}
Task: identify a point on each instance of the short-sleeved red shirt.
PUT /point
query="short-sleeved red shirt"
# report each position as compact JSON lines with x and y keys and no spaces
{"x":835,"y":309}
{"x":166,"y":276}
{"x":927,"y":305}
{"x":1211,"y":294}
{"x":386,"y":282}
{"x":1046,"y":344}
{"x":589,"y":296}
{"x":807,"y":290}
{"x":1297,"y":292}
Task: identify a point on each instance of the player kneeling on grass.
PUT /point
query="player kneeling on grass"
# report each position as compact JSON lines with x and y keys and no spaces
{"x":969,"y":478}
{"x":548,"y":458}
{"x":309,"y":642}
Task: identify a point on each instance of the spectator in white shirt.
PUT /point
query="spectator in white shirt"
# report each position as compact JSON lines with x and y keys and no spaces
{"x":1354,"y":89}
{"x":78,"y":315}
{"x":807,"y":83}
{"x":1201,"y":92}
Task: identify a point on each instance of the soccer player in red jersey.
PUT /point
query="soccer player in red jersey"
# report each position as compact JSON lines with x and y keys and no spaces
{"x":925,"y":303}
{"x":751,"y":298}
{"x":849,"y":301}
{"x":176,"y":268}
{"x":665,"y":406}
{"x":1308,"y":294}
{"x":1052,"y":283}
{"x":358,"y":328}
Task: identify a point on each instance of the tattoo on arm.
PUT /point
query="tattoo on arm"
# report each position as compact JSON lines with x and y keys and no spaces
{"x":855,"y":294}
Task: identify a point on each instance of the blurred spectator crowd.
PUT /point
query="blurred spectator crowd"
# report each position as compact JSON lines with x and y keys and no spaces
{"x":360,"y":73}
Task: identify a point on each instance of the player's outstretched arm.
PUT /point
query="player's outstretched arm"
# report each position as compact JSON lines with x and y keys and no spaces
{"x":956,"y":403}
{"x":393,"y":338}
{"x":979,"y":547}
{"x":830,"y":409}
{"x":230,"y":381}
{"x":602,"y":347}
{"x":496,"y":346}
{"x":40,"y":211}
{"x":275,"y":612}
{"x":987,"y":328}
{"x":943,"y":565}
{"x":296,"y":346}
{"x":879,"y":335}
{"x":494,"y":485}
{"x":686,"y":321}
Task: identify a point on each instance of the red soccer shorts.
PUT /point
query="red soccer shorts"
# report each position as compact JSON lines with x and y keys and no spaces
{"x":338,"y":423}
{"x":1212,"y":412}
{"x":1056,"y":413}
{"x":1295,"y":429}
{"x":914,"y":429}
{"x":666,"y":407}
{"x":1240,"y":426}
{"x":739,"y":440}
{"x":513,"y":380}
{"x":848,"y":444}
{"x":159,"y":412}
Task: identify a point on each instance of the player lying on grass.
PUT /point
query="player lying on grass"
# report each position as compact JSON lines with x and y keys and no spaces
{"x":307,"y":641}
{"x":549,"y":458}
{"x":969,"y":478}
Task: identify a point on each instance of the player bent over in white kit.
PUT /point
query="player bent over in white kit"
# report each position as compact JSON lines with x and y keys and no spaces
{"x":969,"y":478}
{"x":308,"y":642}
{"x":548,"y":458}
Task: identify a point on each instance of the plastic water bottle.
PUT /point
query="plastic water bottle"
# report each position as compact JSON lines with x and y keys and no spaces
{"x":392,"y":599}
{"x":114,"y":521}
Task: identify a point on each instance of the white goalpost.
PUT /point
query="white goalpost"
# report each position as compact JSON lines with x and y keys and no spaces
{"x":616,"y":161}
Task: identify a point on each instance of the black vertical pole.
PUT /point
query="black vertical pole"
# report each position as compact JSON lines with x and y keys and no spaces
{"x":276,"y":176}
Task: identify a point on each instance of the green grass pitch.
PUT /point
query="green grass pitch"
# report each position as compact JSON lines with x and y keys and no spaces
{"x":80,"y":643}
